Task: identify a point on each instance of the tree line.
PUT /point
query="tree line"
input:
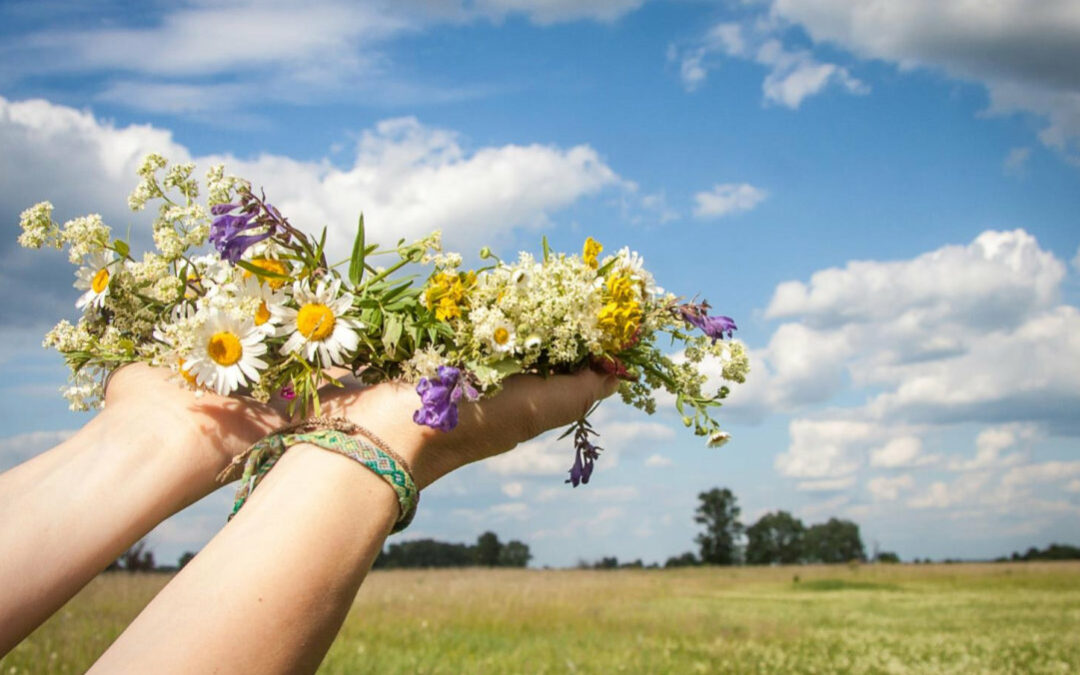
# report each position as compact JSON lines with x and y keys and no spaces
{"x":488,"y":551}
{"x":776,"y":538}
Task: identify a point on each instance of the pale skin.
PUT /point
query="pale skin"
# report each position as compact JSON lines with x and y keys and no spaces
{"x":254,"y":599}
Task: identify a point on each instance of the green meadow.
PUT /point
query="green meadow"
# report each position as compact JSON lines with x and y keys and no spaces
{"x":962,"y":618}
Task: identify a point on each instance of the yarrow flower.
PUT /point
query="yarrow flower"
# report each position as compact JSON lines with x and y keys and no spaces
{"x":439,"y":397}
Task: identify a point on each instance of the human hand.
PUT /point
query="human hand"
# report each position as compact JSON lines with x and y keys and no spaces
{"x":140,"y":398}
{"x":527,"y":406}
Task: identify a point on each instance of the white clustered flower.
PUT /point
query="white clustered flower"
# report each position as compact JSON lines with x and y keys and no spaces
{"x":424,"y":363}
{"x":225,"y":354}
{"x":319,"y":325}
{"x":85,"y":391}
{"x":38,"y":228}
{"x":147,"y":188}
{"x":85,"y":236}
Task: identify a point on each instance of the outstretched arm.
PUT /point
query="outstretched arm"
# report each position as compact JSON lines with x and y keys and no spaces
{"x":257,"y":599}
{"x":69,"y":512}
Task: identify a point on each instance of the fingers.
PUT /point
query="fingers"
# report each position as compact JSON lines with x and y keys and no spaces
{"x":538,"y":404}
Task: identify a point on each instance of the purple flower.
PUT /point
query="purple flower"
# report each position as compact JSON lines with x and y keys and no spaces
{"x":439,"y":397}
{"x":585,"y":457}
{"x":287,"y":392}
{"x":226,"y":233}
{"x":713,"y":326}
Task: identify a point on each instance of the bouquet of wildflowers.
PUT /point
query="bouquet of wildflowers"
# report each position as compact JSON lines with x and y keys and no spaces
{"x":262,"y":312}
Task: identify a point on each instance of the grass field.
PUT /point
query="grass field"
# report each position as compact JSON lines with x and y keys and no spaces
{"x":971,"y":618}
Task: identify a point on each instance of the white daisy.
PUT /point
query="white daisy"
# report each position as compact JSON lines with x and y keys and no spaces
{"x":502,"y":337}
{"x":94,"y":277}
{"x":264,"y":298}
{"x":319,"y":325}
{"x":225,"y":354}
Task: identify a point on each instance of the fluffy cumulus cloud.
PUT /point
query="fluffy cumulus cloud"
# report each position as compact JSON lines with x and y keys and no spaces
{"x":204,"y":58}
{"x":407,"y":179}
{"x":914,"y":356}
{"x":727,"y":199}
{"x":1023,"y":52}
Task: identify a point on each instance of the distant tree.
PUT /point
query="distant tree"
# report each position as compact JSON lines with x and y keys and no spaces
{"x":687,"y":559}
{"x":887,"y":557}
{"x":187,"y":557}
{"x":488,"y":549}
{"x":138,"y":558}
{"x":420,"y":553}
{"x":719,"y":513}
{"x":635,"y":565}
{"x":514,"y":554}
{"x":833,"y":542}
{"x":775,"y":538}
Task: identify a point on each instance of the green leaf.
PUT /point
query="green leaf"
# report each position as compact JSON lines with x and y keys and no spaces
{"x":547,"y":249}
{"x":260,"y":272}
{"x":507,"y":367}
{"x":605,"y":267}
{"x":121,"y":247}
{"x":359,"y":251}
{"x":392,"y":333}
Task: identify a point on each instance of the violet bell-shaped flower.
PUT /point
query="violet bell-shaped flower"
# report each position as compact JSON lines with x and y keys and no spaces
{"x":226,"y":232}
{"x":439,"y":397}
{"x":585,"y":456}
{"x":714,"y":326}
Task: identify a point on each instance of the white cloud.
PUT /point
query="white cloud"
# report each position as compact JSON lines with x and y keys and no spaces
{"x":824,"y":509}
{"x":407,"y":178}
{"x":1045,"y":472}
{"x":658,"y":461}
{"x":1073,"y":486}
{"x":1021,"y":51}
{"x":989,"y":445}
{"x":905,"y":451}
{"x":513,"y":489}
{"x":824,"y":448}
{"x":793,"y":76}
{"x":889,"y":489}
{"x":942,"y":495}
{"x":727,"y":199}
{"x":998,"y":278}
{"x":1016,"y":161}
{"x":826,"y":485}
{"x":267,"y":50}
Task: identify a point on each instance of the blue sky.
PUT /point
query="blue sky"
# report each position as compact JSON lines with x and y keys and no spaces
{"x":884,"y":196}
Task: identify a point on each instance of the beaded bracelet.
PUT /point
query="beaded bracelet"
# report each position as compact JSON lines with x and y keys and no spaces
{"x":331,"y":434}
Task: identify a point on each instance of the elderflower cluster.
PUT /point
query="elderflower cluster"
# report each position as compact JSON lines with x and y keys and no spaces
{"x":38,"y":228}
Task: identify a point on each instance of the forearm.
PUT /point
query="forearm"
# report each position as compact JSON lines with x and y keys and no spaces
{"x":71,"y":511}
{"x":280,"y":578}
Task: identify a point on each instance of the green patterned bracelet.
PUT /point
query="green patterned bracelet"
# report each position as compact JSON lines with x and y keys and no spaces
{"x":330,"y":434}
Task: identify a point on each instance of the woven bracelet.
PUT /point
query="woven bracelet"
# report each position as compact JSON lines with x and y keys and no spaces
{"x":331,"y":434}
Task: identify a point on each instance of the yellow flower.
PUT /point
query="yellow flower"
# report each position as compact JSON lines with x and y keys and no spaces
{"x":590,"y":250}
{"x":620,"y":317}
{"x":272,"y":266}
{"x":446,"y":293}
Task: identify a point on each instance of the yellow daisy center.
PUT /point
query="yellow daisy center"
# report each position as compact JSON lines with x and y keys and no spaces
{"x":224,"y":348}
{"x":270,"y":265}
{"x":262,"y":314}
{"x":100,"y":280}
{"x":502,"y":336}
{"x":315,"y":321}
